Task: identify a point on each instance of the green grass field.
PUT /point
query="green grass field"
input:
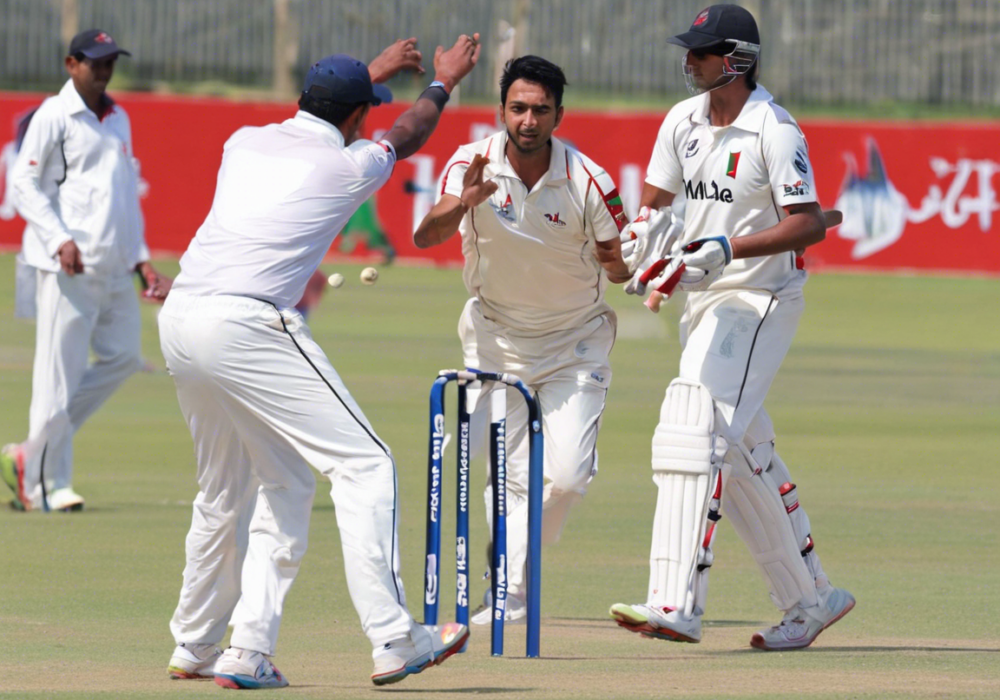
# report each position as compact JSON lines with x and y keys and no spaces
{"x":887,"y":411}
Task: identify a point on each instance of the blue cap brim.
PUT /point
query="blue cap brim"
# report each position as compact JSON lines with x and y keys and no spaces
{"x":104,"y":51}
{"x":382,"y":94}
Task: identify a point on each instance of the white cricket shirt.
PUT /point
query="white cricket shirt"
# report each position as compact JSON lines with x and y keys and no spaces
{"x":75,"y":178}
{"x":735,"y":180}
{"x":530,"y":256}
{"x":283,"y":194}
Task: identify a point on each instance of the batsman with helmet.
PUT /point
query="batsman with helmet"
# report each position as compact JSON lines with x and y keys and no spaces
{"x":742,"y":164}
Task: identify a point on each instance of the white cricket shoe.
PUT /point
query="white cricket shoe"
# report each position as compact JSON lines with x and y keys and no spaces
{"x":242,"y":669}
{"x":405,"y":656}
{"x":193,"y":661}
{"x":515,"y":610}
{"x":66,"y":500}
{"x":657,"y":622}
{"x":801,"y":626}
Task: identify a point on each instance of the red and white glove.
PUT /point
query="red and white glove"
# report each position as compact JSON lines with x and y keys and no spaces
{"x":704,"y":260}
{"x":659,"y":241}
{"x":642,"y":235}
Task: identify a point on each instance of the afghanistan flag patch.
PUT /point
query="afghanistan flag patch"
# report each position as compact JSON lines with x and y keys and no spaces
{"x":613,"y":201}
{"x":734,"y":162}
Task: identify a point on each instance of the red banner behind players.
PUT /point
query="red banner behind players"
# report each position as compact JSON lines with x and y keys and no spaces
{"x":915,"y":196}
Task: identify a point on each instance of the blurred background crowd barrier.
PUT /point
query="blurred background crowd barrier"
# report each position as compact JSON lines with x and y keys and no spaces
{"x":824,"y":52}
{"x":916,"y":195}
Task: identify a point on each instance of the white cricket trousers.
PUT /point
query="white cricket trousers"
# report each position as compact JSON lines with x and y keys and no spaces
{"x":76,"y":315}
{"x":734,"y":344}
{"x":262,"y":403}
{"x":569,"y":373}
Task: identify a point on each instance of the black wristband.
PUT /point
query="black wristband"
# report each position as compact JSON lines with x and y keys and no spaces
{"x":436,"y":94}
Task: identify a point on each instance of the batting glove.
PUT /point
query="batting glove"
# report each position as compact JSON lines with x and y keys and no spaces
{"x":644,"y":234}
{"x":704,"y":261}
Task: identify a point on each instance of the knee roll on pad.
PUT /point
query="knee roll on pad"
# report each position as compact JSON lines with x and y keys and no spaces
{"x":688,"y":471}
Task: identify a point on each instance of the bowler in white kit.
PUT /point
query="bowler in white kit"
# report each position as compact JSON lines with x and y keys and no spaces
{"x":540,"y":225}
{"x":743,"y":165}
{"x":262,"y":400}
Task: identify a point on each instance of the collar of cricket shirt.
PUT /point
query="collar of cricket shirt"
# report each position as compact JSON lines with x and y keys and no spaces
{"x":311,"y":122}
{"x":751,"y":117}
{"x":75,"y":105}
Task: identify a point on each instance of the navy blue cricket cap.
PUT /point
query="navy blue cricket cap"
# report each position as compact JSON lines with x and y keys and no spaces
{"x":717,"y":24}
{"x":340,"y":78}
{"x":95,"y":43}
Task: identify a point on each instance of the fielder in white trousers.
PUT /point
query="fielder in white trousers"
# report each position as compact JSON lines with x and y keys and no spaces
{"x":99,"y":311}
{"x":263,"y":402}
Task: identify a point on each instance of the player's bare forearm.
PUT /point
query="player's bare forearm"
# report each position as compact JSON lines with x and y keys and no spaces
{"x":441,"y":222}
{"x":655,"y":198}
{"x":804,"y":226}
{"x":413,"y":128}
{"x":609,"y":254}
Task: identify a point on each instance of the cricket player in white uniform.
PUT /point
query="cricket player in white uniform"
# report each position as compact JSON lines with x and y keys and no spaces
{"x":262,"y":400}
{"x":76,"y":183}
{"x":743,"y":165}
{"x":540,"y":225}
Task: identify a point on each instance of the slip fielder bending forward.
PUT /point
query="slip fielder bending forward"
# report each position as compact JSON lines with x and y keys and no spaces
{"x":540,"y":226}
{"x":262,"y":400}
{"x":743,"y":165}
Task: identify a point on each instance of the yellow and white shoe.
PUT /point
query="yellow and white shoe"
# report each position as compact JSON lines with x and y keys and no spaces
{"x":193,"y":661}
{"x":12,"y":473}
{"x":657,"y":622}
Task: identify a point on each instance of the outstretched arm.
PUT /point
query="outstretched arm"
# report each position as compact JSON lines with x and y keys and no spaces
{"x":415,"y":125}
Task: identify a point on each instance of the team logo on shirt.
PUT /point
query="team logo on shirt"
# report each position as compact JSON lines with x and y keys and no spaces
{"x":554,"y":219}
{"x":734,"y":162}
{"x":796,"y":189}
{"x":710,"y":191}
{"x":800,"y":162}
{"x":692,"y":148}
{"x":506,"y":211}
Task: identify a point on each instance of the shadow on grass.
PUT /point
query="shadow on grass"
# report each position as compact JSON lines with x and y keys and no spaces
{"x":491,"y":690}
{"x":579,"y":622}
{"x":868,"y":649}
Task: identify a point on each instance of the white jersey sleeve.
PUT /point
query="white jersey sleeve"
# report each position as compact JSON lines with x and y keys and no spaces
{"x":375,"y":161}
{"x":454,"y":173}
{"x":42,"y":142}
{"x":605,"y":214}
{"x":665,"y":170}
{"x":787,"y":157}
{"x":140,"y":252}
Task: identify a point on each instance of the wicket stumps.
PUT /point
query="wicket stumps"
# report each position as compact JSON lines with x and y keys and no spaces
{"x":498,"y":452}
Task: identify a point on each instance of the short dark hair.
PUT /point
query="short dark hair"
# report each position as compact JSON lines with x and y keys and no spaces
{"x":534,"y":69}
{"x":334,"y":112}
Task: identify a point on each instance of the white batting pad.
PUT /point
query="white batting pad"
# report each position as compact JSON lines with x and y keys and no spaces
{"x":688,"y":471}
{"x":800,"y":521}
{"x":755,"y":507}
